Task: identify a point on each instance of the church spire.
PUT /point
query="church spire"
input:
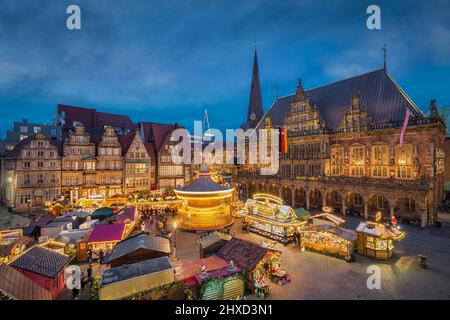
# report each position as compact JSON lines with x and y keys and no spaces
{"x":255,"y":108}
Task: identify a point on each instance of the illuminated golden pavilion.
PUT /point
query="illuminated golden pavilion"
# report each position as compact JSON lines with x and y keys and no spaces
{"x":206,"y":205}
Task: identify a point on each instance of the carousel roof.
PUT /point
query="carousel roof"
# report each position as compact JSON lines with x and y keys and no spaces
{"x":204,"y":183}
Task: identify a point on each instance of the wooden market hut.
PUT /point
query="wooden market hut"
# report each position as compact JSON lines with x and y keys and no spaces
{"x":140,"y":247}
{"x":211,"y":243}
{"x":16,"y":286}
{"x":328,"y":239}
{"x":250,"y":257}
{"x":105,"y":236}
{"x":218,"y":281}
{"x":128,"y":280}
{"x":375,"y":240}
{"x":12,"y":243}
{"x":43,"y":266}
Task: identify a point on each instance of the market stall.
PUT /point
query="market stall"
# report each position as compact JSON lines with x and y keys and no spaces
{"x":260,"y":265}
{"x":267,"y":215}
{"x":104,"y":237}
{"x":211,"y":278}
{"x":12,"y":244}
{"x":137,"y":248}
{"x":330,"y":240}
{"x":375,"y":239}
{"x":129,"y":280}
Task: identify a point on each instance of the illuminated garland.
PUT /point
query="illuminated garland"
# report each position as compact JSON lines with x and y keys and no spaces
{"x":95,"y":288}
{"x":4,"y":297}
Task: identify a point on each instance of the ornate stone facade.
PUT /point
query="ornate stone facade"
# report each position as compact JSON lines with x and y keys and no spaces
{"x":109,"y":164}
{"x":34,"y":172}
{"x":78,"y":165}
{"x":139,"y":167}
{"x":348,"y":154}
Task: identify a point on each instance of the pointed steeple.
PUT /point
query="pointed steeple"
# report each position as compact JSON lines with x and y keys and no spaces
{"x":255,"y":107}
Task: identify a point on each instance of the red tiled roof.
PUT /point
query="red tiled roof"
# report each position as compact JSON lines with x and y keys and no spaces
{"x":157,"y":133}
{"x":114,"y":120}
{"x":91,"y":118}
{"x":126,"y":141}
{"x":150,"y":150}
{"x":72,"y":113}
{"x":107,"y":232}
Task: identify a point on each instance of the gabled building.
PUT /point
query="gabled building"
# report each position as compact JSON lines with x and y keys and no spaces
{"x":139,"y":163}
{"x":109,"y":166}
{"x":32,"y":172}
{"x":168,"y":173}
{"x":45,"y":267}
{"x":78,"y":164}
{"x":15,"y":286}
{"x":346,"y":150}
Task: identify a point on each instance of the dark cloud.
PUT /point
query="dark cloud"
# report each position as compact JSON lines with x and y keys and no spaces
{"x":166,"y":60}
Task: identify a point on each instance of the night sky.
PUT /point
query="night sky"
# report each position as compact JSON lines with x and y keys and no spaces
{"x":165,"y":61}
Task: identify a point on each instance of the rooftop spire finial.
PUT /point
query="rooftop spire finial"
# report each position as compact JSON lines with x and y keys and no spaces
{"x":385,"y":56}
{"x":255,"y":108}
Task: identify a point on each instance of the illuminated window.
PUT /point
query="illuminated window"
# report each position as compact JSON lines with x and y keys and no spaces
{"x":404,"y":161}
{"x":380,"y":161}
{"x":357,"y":161}
{"x":337,"y":161}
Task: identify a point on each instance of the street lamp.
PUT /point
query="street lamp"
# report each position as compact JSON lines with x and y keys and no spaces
{"x":175,"y":240}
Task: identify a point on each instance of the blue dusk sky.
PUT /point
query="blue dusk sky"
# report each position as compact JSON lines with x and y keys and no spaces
{"x":165,"y":61}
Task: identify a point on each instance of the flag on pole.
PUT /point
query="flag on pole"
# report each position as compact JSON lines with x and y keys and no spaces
{"x":405,"y":124}
{"x":283,"y":140}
